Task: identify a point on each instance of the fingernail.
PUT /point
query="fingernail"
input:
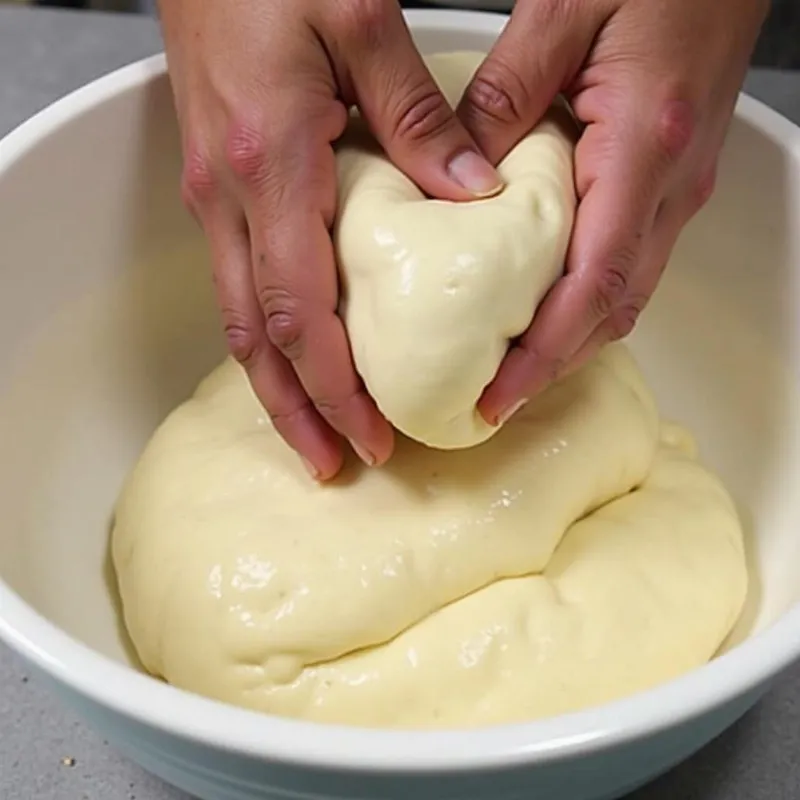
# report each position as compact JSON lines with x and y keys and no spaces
{"x":475,"y":174}
{"x":506,"y":415}
{"x":363,"y":454}
{"x":310,"y":468}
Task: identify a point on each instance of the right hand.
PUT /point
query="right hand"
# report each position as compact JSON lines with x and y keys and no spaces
{"x":262,"y":91}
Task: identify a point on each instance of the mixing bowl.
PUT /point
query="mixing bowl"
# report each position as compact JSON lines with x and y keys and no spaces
{"x":107,"y":321}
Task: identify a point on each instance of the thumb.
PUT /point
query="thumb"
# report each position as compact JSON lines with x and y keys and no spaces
{"x":538,"y":54}
{"x":409,"y":115}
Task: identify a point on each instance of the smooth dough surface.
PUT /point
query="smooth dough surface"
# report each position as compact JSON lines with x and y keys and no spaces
{"x":434,"y":291}
{"x":580,"y":554}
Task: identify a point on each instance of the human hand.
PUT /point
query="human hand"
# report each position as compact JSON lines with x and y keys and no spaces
{"x":262,"y":90}
{"x":655,"y":83}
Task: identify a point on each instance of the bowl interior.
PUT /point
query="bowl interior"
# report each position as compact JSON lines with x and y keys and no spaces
{"x":107,"y":321}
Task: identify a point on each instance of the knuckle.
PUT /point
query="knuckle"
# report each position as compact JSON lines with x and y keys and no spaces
{"x":363,"y":21}
{"x":611,"y":286}
{"x":538,"y":361}
{"x":286,"y":422}
{"x":673,"y":128}
{"x":275,"y":167}
{"x":275,"y":191}
{"x":491,"y":98}
{"x":286,"y":331}
{"x":241,"y":335}
{"x":422,"y":115}
{"x":246,"y":151}
{"x":333,"y":408}
{"x":704,"y":187}
{"x":284,"y":322}
{"x":623,"y":321}
{"x":551,"y":13}
{"x":497,"y":93}
{"x":199,"y":183}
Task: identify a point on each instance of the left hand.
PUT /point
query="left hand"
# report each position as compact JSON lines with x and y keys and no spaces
{"x":655,"y":83}
{"x":262,"y":90}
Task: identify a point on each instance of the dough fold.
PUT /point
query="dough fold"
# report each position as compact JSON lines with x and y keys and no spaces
{"x":578,"y":555}
{"x":434,"y":291}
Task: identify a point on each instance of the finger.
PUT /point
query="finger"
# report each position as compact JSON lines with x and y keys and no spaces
{"x":613,"y":221}
{"x":611,"y":329}
{"x":271,"y":376}
{"x":536,"y":56}
{"x":296,"y":284}
{"x":600,"y":337}
{"x":285,"y":178}
{"x":403,"y":106}
{"x":620,"y":323}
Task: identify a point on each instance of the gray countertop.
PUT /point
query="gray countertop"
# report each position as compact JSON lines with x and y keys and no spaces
{"x":47,"y":754}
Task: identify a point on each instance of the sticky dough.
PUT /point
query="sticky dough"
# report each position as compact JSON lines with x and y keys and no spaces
{"x":434,"y":291}
{"x":579,"y":555}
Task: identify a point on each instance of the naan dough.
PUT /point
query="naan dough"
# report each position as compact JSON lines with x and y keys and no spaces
{"x":433,"y":291}
{"x":579,"y":555}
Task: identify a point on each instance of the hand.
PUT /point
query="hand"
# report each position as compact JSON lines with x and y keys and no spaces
{"x":262,"y":89}
{"x":655,"y":83}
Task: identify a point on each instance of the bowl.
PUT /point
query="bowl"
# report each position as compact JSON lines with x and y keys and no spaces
{"x":107,"y":321}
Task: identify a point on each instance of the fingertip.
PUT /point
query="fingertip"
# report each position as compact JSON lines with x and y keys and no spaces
{"x":417,"y":127}
{"x":493,"y":140}
{"x":496,"y":412}
{"x":385,"y":439}
{"x":310,"y":468}
{"x":498,"y":402}
{"x":505,"y":415}
{"x":471,"y":171}
{"x":321,"y":461}
{"x":316,"y":444}
{"x":489,"y":407}
{"x":374,"y":441}
{"x":522,"y":375}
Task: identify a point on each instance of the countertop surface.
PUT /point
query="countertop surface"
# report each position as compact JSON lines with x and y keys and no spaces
{"x":46,"y":753}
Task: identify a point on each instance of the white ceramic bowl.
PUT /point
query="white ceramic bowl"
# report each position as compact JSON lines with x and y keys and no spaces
{"x":107,"y":321}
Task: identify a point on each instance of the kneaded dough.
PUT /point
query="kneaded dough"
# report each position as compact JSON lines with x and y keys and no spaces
{"x":580,"y":554}
{"x":434,"y":291}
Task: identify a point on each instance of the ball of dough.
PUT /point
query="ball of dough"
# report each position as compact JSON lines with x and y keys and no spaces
{"x":579,"y":555}
{"x":434,"y":291}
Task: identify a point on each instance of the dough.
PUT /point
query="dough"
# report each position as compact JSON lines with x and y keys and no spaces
{"x":433,"y":291}
{"x":577,"y":554}
{"x":580,"y":554}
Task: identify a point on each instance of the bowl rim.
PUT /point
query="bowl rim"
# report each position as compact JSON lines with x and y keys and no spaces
{"x":743,"y":671}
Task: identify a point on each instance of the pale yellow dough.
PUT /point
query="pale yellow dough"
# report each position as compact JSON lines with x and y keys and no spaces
{"x":461,"y":278}
{"x":450,"y":588}
{"x":578,"y":554}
